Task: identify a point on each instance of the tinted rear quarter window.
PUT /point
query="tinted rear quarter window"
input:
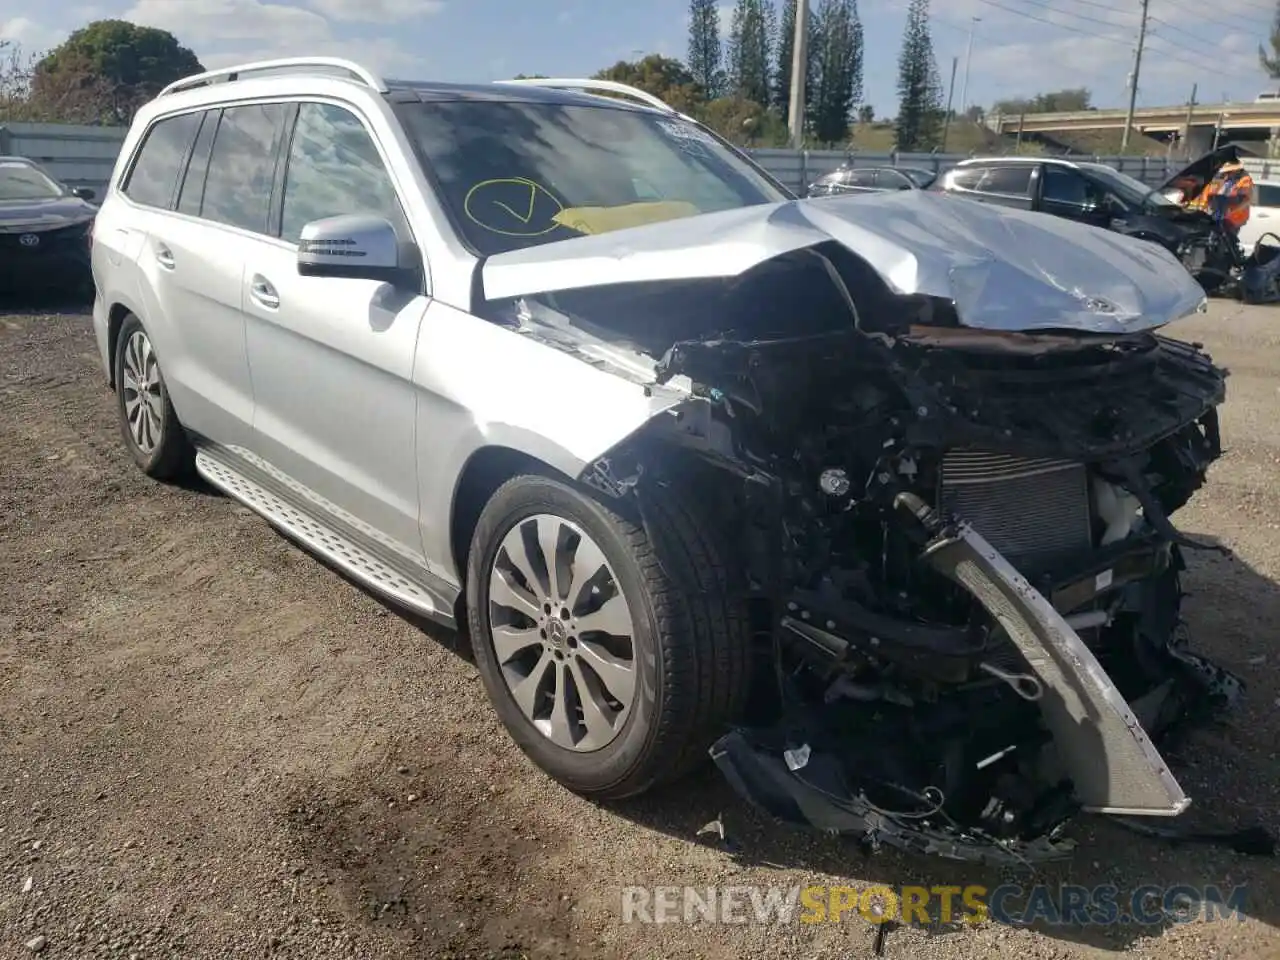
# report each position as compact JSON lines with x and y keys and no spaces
{"x":242,"y":166}
{"x":154,"y":176}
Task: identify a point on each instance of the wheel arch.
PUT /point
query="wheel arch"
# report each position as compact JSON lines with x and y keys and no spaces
{"x":487,"y":469}
{"x":116,"y":314}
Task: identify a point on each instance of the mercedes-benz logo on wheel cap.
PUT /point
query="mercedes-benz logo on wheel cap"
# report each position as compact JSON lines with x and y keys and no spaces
{"x":29,"y":240}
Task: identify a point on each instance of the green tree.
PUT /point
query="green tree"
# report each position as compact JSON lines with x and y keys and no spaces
{"x":866,"y":113}
{"x":705,"y":52}
{"x":919,"y":86}
{"x":1055,"y":101}
{"x":664,"y":77}
{"x":124,"y":64}
{"x":755,"y":24}
{"x":782,"y":70}
{"x":744,"y":122}
{"x":839,"y":69}
{"x":1271,"y":63}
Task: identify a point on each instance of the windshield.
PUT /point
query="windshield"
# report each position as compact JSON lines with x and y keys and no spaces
{"x":518,"y":174}
{"x":22,"y":181}
{"x":1129,"y":189}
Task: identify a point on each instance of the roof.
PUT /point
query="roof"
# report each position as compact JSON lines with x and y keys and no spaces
{"x":1060,"y":161}
{"x":425,"y":91}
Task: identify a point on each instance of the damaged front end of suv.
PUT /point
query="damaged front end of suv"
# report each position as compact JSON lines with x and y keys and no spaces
{"x":946,"y":441}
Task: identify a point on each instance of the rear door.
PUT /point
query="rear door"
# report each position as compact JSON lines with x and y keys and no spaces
{"x":190,"y":278}
{"x":332,"y":359}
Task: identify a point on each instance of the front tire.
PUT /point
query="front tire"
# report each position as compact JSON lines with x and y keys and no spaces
{"x":614,"y":652}
{"x":148,"y":423}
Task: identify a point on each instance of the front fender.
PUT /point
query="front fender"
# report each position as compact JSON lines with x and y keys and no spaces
{"x":482,"y":386}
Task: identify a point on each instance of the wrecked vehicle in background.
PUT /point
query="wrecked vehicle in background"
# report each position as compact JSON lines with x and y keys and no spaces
{"x":867,"y":496}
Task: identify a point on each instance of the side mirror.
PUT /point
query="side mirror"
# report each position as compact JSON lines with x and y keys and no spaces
{"x":83,"y":193}
{"x":904,"y":186}
{"x":355,"y":247}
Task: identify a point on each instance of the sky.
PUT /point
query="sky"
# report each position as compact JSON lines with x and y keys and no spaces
{"x":1020,"y":47}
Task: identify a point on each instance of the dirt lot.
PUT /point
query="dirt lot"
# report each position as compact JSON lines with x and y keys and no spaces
{"x":211,"y":745}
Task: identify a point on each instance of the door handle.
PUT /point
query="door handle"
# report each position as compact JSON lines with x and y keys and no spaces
{"x":164,"y":257}
{"x":264,"y":293}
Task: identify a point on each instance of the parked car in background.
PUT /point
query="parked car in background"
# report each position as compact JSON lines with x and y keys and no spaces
{"x":703,"y":468}
{"x":850,"y":179}
{"x":1102,"y":196}
{"x":45,"y":230}
{"x":1264,"y":215}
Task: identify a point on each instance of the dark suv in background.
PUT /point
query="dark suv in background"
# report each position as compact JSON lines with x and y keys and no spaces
{"x":1100,"y":195}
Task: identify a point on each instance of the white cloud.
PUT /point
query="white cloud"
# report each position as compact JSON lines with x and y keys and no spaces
{"x":30,"y":36}
{"x":225,"y":32}
{"x":1014,"y":55}
{"x":377,"y":11}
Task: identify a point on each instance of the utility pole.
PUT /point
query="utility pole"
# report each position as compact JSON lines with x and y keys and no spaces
{"x":799,"y":74}
{"x":1186,"y":128}
{"x":968,"y":56}
{"x":946,"y":117}
{"x":1133,"y":87}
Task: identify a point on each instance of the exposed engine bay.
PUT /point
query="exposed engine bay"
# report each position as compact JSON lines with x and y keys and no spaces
{"x":958,"y":542}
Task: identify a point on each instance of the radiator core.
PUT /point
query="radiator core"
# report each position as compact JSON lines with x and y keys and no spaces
{"x":1028,"y":509}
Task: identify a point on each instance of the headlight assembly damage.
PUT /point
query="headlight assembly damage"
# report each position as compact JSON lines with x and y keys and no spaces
{"x":956,"y":538}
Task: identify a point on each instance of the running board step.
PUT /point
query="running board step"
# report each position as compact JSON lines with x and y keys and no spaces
{"x":301,"y":524}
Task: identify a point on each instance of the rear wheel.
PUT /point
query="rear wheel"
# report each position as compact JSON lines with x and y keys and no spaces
{"x":614,"y":653}
{"x":150,"y":428}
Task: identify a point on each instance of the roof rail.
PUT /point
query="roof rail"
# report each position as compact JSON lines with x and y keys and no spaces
{"x":304,"y":65}
{"x":608,"y":86}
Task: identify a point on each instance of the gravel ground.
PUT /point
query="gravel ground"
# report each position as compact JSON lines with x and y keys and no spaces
{"x":213,"y":746}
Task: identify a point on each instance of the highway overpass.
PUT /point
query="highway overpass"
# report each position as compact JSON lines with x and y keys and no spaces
{"x":1195,"y":126}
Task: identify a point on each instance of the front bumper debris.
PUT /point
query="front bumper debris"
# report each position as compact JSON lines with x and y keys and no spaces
{"x":1094,"y":753}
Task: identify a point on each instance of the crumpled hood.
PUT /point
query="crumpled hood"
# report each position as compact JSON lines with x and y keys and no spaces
{"x":44,"y":214}
{"x":1004,"y":269}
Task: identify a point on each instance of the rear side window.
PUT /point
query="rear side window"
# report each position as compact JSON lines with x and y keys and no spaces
{"x":1014,"y":181}
{"x":242,"y":166}
{"x":154,"y":176}
{"x":334,"y":168}
{"x":192,"y":193}
{"x":966,"y":179}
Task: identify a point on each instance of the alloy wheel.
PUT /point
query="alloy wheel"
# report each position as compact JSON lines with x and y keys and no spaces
{"x":562,"y":632}
{"x":143,"y":402}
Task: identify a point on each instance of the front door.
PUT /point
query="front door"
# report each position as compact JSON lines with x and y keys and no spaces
{"x":332,"y":359}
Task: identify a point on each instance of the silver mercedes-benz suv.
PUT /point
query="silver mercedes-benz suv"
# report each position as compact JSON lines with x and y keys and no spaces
{"x":868,"y":497}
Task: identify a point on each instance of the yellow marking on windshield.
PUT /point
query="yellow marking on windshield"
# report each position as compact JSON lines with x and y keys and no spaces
{"x":511,"y":195}
{"x":605,"y":219}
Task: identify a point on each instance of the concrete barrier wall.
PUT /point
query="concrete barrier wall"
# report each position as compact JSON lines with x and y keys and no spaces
{"x":78,"y":156}
{"x":84,"y":157}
